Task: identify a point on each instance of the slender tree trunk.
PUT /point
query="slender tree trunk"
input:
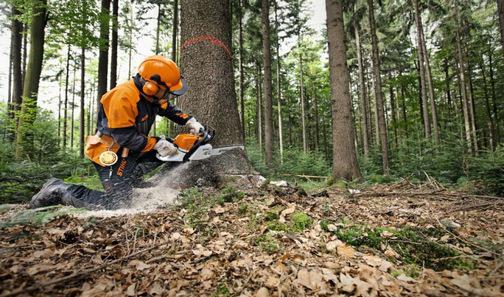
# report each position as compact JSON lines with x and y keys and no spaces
{"x":65,"y":111}
{"x":403,"y":110}
{"x":60,"y":98}
{"x":130,"y":36}
{"x":302,"y":91}
{"x":15,"y":62}
{"x":82,"y":101}
{"x":382,"y":129}
{"x":472,"y":109}
{"x":210,"y":68}
{"x":259,"y":109}
{"x":448,"y":90}
{"x":25,"y":52}
{"x":175,"y":30}
{"x":268,"y":109}
{"x":500,"y":7}
{"x":103,"y":51}
{"x":72,"y":107}
{"x":491,"y":123}
{"x":32,"y":78}
{"x":114,"y":43}
{"x":467,"y":120}
{"x":317,"y":120}
{"x":494,"y":96}
{"x":430,"y":87}
{"x":364,"y":101}
{"x":242,"y":74}
{"x":421,"y":64}
{"x":279,"y":87}
{"x":394,"y":118}
{"x":344,"y":155}
{"x":158,"y":28}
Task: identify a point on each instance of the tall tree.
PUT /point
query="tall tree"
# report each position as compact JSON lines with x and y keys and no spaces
{"x":15,"y":61}
{"x":114,"y":43}
{"x":103,"y":50}
{"x":344,"y":155}
{"x":500,"y":7}
{"x":240,"y":66}
{"x":267,"y":91}
{"x":279,"y":87}
{"x":32,"y":77}
{"x":380,"y":113}
{"x":207,"y":65}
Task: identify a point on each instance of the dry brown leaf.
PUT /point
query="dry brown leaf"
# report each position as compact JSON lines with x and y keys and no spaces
{"x":405,"y":278}
{"x":375,"y":261}
{"x":201,"y":251}
{"x":311,"y":279}
{"x":262,"y":292}
{"x":37,"y":268}
{"x":130,"y":291}
{"x":289,"y":210}
{"x":156,"y":289}
{"x":139,"y":265}
{"x":206,"y":274}
{"x":346,"y":251}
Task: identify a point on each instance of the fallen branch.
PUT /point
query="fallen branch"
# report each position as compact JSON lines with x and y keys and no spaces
{"x":77,"y":274}
{"x":307,"y":176}
{"x":440,"y":192}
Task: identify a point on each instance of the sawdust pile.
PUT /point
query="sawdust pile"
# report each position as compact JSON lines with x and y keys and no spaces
{"x":274,"y":242}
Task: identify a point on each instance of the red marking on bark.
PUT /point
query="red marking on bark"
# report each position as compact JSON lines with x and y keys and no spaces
{"x":210,"y":39}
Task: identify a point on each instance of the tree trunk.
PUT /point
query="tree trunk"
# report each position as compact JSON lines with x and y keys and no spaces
{"x":25,"y":52}
{"x":430,"y":87}
{"x":344,"y":156}
{"x":113,"y":55}
{"x":448,"y":91}
{"x":32,"y":78}
{"x":240,"y":65}
{"x":267,"y":92}
{"x":15,"y":62}
{"x":382,"y":129}
{"x":364,"y":101}
{"x":130,"y":36}
{"x":259,"y":108}
{"x":65,"y":111}
{"x":60,"y":98}
{"x":500,"y":7}
{"x":103,"y":52}
{"x":302,"y":92}
{"x":279,"y":87}
{"x":421,"y":64}
{"x":208,"y":68}
{"x":494,"y":96}
{"x":72,"y":107}
{"x":158,"y":28}
{"x":471,"y":108}
{"x":175,"y":30}
{"x":82,"y":101}
{"x":465,"y":107}
{"x":394,"y":118}
{"x":491,"y":123}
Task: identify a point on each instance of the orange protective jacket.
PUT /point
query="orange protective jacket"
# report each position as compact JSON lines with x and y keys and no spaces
{"x":126,"y":118}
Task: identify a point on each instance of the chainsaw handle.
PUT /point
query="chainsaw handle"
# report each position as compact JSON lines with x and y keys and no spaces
{"x":204,"y":138}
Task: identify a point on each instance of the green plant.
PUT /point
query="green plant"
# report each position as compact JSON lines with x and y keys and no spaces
{"x":268,"y":243}
{"x":301,"y":221}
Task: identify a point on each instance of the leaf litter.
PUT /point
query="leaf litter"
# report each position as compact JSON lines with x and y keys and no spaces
{"x":358,"y":244}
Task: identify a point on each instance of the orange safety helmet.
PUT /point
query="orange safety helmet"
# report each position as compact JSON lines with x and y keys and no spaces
{"x":158,"y":70}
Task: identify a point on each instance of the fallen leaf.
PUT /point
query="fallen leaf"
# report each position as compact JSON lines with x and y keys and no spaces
{"x":346,"y":251}
{"x":375,"y":261}
{"x":262,"y":292}
{"x":156,"y":289}
{"x":139,"y":265}
{"x":130,"y":291}
{"x":206,"y":274}
{"x":289,"y":210}
{"x":405,"y":278}
{"x":311,"y":279}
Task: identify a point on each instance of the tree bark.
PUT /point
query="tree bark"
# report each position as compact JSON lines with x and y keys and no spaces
{"x":175,"y":30}
{"x":344,"y":155}
{"x":267,"y":92}
{"x":32,"y":78}
{"x":103,"y":51}
{"x":82,"y":101}
{"x":259,"y":108}
{"x":500,"y":7}
{"x":491,"y":123}
{"x":15,"y":62}
{"x":471,"y":108}
{"x":242,"y":73}
{"x":423,"y":75}
{"x":465,"y":107}
{"x":72,"y":107}
{"x":364,"y":100}
{"x":208,"y":68}
{"x":279,"y":87}
{"x":114,"y":43}
{"x":59,"y":110}
{"x":394,"y":118}
{"x":158,"y":27}
{"x":494,"y":96}
{"x":65,"y":111}
{"x":382,"y":129}
{"x":302,"y":92}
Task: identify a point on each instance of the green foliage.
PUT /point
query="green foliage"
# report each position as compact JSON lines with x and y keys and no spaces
{"x":301,"y":221}
{"x":268,"y":243}
{"x":487,"y":170}
{"x":40,"y":216}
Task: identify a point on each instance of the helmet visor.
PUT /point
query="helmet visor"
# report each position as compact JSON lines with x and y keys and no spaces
{"x":180,"y":88}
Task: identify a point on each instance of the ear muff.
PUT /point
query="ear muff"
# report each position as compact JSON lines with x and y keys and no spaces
{"x":150,"y":88}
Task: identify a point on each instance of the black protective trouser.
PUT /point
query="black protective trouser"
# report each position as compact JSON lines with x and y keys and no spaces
{"x":118,"y":182}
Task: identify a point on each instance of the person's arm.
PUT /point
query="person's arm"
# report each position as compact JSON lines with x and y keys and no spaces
{"x":130,"y":138}
{"x":174,"y":114}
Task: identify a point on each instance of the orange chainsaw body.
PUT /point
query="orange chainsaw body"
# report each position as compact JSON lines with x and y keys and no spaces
{"x":185,"y":141}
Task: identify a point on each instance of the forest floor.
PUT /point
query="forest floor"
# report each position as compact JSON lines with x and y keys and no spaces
{"x":379,"y":241}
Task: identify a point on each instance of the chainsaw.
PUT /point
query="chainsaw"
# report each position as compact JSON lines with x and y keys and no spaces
{"x":191,"y":147}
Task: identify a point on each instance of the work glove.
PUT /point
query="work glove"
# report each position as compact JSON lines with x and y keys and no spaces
{"x":194,"y":126}
{"x":165,"y":148}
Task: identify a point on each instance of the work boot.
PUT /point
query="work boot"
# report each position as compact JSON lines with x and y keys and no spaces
{"x":50,"y":194}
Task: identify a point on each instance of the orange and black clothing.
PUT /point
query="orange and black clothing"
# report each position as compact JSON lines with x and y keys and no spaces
{"x":125,"y":117}
{"x":128,"y":118}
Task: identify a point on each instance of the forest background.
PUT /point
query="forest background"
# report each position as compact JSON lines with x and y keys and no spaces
{"x":425,"y":82}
